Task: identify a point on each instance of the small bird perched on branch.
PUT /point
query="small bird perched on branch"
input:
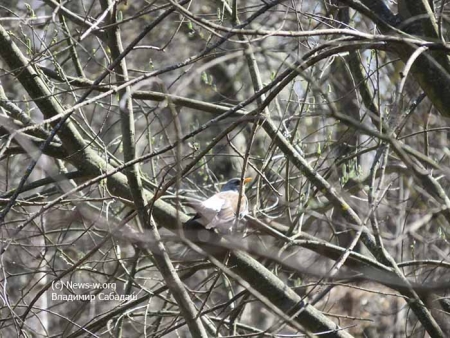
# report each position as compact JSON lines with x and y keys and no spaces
{"x":220,"y":210}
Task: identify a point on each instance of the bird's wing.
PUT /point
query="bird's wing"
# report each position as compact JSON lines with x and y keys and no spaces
{"x":209,"y":209}
{"x":226,"y":216}
{"x":219,"y":211}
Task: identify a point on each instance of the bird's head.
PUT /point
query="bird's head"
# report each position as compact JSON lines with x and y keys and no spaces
{"x":234,"y":184}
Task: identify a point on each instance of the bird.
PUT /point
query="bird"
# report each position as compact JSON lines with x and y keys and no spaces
{"x":219,"y":212}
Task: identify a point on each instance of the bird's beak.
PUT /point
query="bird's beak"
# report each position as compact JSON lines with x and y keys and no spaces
{"x":247,"y":180}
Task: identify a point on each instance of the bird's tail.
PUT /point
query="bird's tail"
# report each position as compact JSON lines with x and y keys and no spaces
{"x":197,"y":233}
